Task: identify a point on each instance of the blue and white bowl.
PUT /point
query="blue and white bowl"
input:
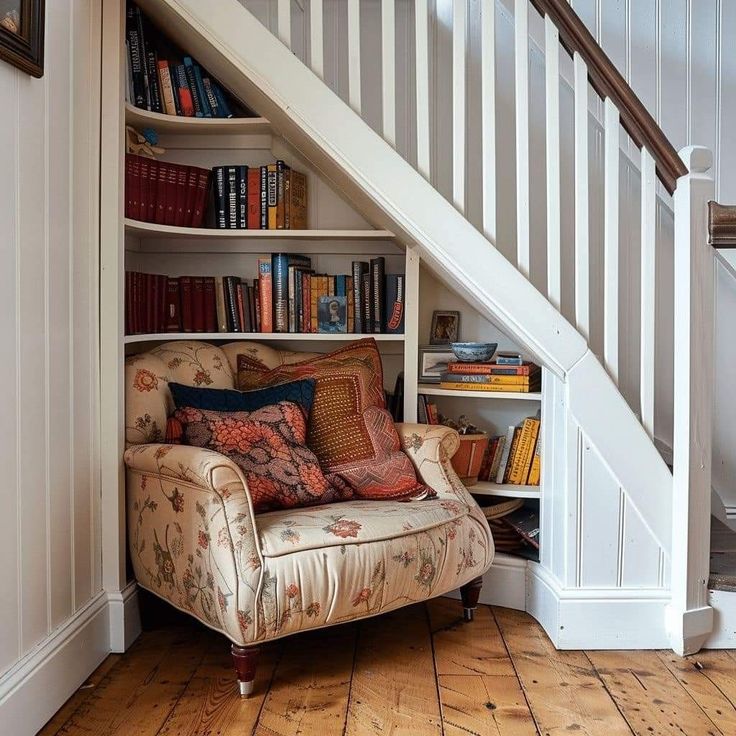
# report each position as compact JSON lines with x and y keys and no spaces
{"x":474,"y":352}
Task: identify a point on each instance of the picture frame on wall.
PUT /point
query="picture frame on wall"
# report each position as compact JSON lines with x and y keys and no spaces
{"x":22,"y":24}
{"x":433,"y":362}
{"x":445,"y":327}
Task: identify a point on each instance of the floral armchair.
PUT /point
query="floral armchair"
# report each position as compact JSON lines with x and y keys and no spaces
{"x":196,"y":542}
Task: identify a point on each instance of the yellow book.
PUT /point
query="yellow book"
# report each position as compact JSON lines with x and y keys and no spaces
{"x":523,"y":456}
{"x":271,"y":195}
{"x":535,"y":470}
{"x":476,"y":378}
{"x":457,"y":386}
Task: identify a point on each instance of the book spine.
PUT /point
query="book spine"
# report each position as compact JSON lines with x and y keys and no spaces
{"x":185,"y":294}
{"x":191,"y":195}
{"x":257,"y":303}
{"x":279,"y":271}
{"x":167,"y":88}
{"x":378,"y":268}
{"x":198,"y":304}
{"x":503,"y":464}
{"x":293,"y":272}
{"x":129,"y":92}
{"x":218,"y":176}
{"x":535,"y":470}
{"x":200,"y":202}
{"x":161,"y":178}
{"x":351,"y":305}
{"x":394,"y":308}
{"x":144,"y":56}
{"x":172,"y":177}
{"x":297,"y":200}
{"x":287,"y":199}
{"x":242,"y":325}
{"x":206,"y":109}
{"x":522,"y":452}
{"x":231,"y":300}
{"x":220,"y":305}
{"x":210,"y":305}
{"x":192,"y":84}
{"x":264,"y":197}
{"x":265,"y":292}
{"x":128,"y":303}
{"x":211,"y":98}
{"x":254,"y":199}
{"x":365,"y":287}
{"x":182,"y":177}
{"x":183,"y":93}
{"x":490,"y":387}
{"x":358,"y":269}
{"x":280,"y":204}
{"x":163,"y":291}
{"x":496,"y":460}
{"x":492,"y":369}
{"x":489,"y":379}
{"x":231,"y":197}
{"x":136,"y":57}
{"x":148,"y":214}
{"x":132,"y":186}
{"x":305,"y":315}
{"x":242,"y":197}
{"x":153,"y":81}
{"x":252,"y":318}
{"x":222,"y":104}
{"x":271,"y":190}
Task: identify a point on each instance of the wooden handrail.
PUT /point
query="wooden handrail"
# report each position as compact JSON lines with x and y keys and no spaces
{"x":608,"y":82}
{"x":721,"y":225}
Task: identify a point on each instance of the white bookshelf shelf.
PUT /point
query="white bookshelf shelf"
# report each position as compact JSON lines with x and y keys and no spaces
{"x":432,"y":389}
{"x":503,"y":490}
{"x":152,"y":230}
{"x":167,"y":124}
{"x":260,"y":337}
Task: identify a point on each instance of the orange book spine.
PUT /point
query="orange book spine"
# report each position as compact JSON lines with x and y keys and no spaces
{"x":265,"y":294}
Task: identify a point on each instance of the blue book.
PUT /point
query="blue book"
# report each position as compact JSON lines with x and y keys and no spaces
{"x":280,"y":263}
{"x":197,"y":72}
{"x":223,"y":109}
{"x":341,"y":285}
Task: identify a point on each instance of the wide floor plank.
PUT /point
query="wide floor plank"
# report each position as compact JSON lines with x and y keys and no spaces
{"x":310,"y":689}
{"x":649,"y":696}
{"x":562,"y":688}
{"x":394,"y":689}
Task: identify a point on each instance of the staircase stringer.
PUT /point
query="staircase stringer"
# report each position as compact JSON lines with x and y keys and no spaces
{"x":232,"y":43}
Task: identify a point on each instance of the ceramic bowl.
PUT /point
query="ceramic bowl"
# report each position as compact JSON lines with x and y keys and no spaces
{"x":473,"y":352}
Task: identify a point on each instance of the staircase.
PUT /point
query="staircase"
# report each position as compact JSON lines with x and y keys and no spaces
{"x":625,"y":540}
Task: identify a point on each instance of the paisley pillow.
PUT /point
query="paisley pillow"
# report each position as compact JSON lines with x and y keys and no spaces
{"x":268,"y":446}
{"x":350,"y":431}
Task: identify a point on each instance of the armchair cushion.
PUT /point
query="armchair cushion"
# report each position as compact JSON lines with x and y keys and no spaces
{"x":268,"y":446}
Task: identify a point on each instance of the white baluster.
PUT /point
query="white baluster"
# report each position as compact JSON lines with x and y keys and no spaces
{"x":458,"y":103}
{"x":388,"y":66}
{"x":552,"y":87}
{"x":611,"y":238}
{"x":488,"y":115}
{"x":689,"y":617}
{"x":422,"y":86}
{"x":316,"y":38}
{"x":354,"y":96}
{"x":284,"y":22}
{"x":648,"y":288}
{"x":521,"y":66}
{"x":582,"y":213}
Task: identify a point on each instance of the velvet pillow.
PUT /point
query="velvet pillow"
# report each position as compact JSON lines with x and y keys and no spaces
{"x":350,"y":431}
{"x":268,"y":446}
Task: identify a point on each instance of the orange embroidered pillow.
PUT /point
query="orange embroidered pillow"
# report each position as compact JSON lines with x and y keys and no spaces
{"x":268,"y":446}
{"x":350,"y":431}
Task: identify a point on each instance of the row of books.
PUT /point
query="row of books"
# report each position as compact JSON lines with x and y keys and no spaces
{"x":522,"y":378}
{"x":165,"y":193}
{"x":286,"y":296}
{"x":272,"y":197}
{"x":162,"y":81}
{"x":515,"y":457}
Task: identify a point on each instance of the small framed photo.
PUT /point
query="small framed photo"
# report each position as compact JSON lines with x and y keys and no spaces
{"x":332,"y":314}
{"x":433,"y":362}
{"x":445,"y":327}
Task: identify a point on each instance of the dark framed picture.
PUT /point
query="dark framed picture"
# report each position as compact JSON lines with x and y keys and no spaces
{"x":332,"y":314}
{"x":433,"y":362}
{"x":445,"y":327}
{"x":21,"y":34}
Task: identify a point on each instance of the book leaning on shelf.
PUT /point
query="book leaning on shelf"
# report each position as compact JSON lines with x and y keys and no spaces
{"x":285,"y":296}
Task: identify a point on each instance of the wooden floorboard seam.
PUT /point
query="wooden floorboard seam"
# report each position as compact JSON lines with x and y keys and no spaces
{"x":434,"y":667}
{"x":610,"y":694}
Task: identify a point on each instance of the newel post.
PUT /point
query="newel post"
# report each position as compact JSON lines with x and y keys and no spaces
{"x":690,"y":618}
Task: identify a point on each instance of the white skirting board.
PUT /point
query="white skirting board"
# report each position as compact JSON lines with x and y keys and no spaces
{"x":724,"y":620}
{"x":39,"y":684}
{"x":125,"y":618}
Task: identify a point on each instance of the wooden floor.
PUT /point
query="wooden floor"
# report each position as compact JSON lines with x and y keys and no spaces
{"x":416,"y":671}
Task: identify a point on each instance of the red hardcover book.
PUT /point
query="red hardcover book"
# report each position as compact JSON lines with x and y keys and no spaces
{"x":143,"y":187}
{"x":154,"y":298}
{"x":185,"y":294}
{"x":254,"y":199}
{"x":200,"y":200}
{"x":137,"y":303}
{"x":192,"y":179}
{"x":163,"y":288}
{"x":182,"y":177}
{"x":210,"y":306}
{"x":151,"y":191}
{"x":241,"y":306}
{"x":198,"y":303}
{"x":173,"y":305}
{"x":128,"y":303}
{"x":132,"y":186}
{"x":147,"y":300}
{"x":163,"y":173}
{"x":172,"y":178}
{"x":257,"y":304}
{"x":186,"y":103}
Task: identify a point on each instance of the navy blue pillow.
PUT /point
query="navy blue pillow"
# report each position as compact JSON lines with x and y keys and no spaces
{"x":226,"y":399}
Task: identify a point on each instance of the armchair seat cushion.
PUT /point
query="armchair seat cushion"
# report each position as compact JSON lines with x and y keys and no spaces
{"x":352,"y":522}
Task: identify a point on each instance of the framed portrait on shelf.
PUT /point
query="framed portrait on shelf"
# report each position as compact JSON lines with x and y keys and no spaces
{"x":21,"y":34}
{"x":433,"y":361}
{"x":445,"y":327}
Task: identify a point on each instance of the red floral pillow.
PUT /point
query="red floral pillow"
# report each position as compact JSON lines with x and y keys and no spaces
{"x":268,"y":446}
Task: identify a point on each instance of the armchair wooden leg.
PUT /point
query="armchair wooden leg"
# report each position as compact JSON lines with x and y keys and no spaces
{"x":245,"y":660}
{"x":469,"y":593}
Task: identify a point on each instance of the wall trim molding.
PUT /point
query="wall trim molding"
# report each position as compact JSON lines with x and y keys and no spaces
{"x":124,"y":617}
{"x":38,"y":684}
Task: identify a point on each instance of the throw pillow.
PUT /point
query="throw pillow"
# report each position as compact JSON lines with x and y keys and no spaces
{"x":268,"y":446}
{"x":350,"y":431}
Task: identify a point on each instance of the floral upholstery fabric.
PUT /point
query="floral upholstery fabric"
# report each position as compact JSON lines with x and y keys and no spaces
{"x":268,"y":446}
{"x":349,"y":429}
{"x":196,"y":542}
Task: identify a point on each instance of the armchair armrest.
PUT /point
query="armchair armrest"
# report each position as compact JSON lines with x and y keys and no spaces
{"x":192,"y":534}
{"x":430,"y":448}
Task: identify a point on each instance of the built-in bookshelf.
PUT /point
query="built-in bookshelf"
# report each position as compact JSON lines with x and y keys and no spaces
{"x":178,"y":125}
{"x":262,"y":337}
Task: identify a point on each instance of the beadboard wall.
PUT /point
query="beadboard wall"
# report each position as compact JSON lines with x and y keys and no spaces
{"x":50,"y":575}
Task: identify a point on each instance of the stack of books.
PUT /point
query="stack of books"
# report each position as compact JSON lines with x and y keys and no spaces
{"x":506,"y":374}
{"x":514,"y":458}
{"x":272,"y":197}
{"x":164,"y":81}
{"x":286,"y":296}
{"x":165,"y":193}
